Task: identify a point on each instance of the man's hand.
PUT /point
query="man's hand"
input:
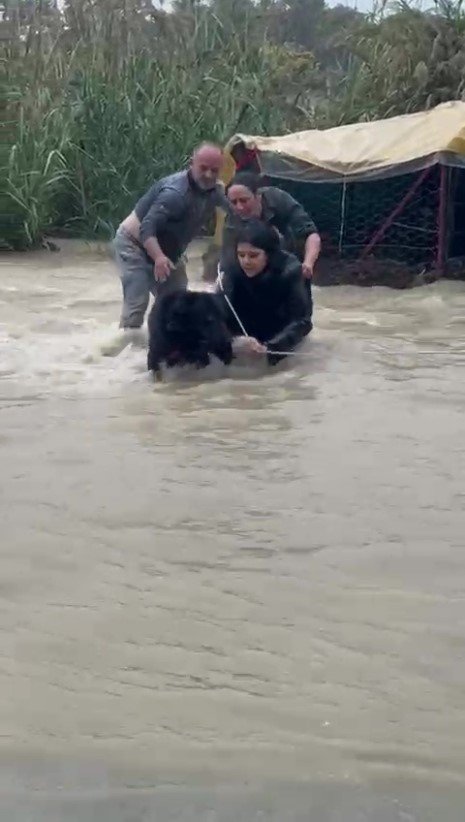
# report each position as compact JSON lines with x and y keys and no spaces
{"x":248,"y":345}
{"x":162,"y":268}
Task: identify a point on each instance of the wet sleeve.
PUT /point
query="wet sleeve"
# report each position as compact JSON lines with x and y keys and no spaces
{"x":293,"y":218}
{"x":297,"y":321}
{"x":168,"y":205}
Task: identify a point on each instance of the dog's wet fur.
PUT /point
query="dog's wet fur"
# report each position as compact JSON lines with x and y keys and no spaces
{"x":185,"y":328}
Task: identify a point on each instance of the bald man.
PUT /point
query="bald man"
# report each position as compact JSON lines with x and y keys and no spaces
{"x":150,"y":243}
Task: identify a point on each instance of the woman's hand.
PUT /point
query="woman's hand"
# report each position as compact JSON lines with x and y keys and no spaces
{"x":248,"y":345}
{"x":312,"y":252}
{"x":307,"y":268}
{"x":256,"y":347}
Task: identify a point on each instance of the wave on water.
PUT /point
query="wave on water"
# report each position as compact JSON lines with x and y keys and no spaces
{"x":81,"y":357}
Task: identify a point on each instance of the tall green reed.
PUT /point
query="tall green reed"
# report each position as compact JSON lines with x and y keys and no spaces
{"x":98,"y":102}
{"x":89,"y":139}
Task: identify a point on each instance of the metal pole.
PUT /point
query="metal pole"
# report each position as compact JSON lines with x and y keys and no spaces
{"x":343,"y":217}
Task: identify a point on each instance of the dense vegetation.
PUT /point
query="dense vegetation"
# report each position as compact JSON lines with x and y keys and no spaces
{"x":100,"y":96}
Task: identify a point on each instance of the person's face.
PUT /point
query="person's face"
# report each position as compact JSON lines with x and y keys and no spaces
{"x":252,"y":260}
{"x":206,"y":166}
{"x":245,"y":203}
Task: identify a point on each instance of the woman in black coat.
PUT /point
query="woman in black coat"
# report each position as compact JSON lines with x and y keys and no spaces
{"x":263,"y":287}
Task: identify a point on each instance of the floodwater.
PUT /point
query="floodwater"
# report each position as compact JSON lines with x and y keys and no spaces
{"x":238,"y":598}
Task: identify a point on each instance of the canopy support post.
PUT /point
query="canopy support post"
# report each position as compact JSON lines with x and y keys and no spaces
{"x":343,"y":217}
{"x":441,"y":253}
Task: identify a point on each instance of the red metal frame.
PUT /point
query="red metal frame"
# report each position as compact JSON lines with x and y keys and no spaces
{"x":381,"y":231}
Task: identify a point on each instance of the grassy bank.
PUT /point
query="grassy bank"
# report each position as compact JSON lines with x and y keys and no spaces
{"x":105,"y":96}
{"x":95,"y":117}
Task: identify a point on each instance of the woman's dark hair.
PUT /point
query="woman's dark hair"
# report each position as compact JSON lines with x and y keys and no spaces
{"x":247,"y":179}
{"x":263,"y":236}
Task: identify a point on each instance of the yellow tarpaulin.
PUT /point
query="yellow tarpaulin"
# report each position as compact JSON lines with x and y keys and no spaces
{"x":365,"y":150}
{"x":361,"y":151}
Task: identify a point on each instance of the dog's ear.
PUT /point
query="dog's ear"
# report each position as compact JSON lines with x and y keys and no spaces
{"x":210,"y":308}
{"x":178,"y":312}
{"x":216,"y":302}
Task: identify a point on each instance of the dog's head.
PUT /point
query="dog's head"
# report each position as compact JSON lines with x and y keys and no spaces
{"x":194,"y":327}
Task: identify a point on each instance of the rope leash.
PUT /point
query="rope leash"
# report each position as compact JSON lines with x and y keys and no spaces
{"x":295,"y":353}
{"x":239,"y":321}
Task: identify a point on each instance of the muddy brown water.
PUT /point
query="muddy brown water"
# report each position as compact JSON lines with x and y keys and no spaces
{"x":239,"y":598}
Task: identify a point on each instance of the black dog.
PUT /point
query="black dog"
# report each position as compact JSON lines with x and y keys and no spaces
{"x":185,"y":327}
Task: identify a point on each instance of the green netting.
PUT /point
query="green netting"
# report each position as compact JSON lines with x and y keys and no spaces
{"x":349,"y":217}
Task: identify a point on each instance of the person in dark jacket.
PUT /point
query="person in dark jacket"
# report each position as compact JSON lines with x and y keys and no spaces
{"x":150,"y":243}
{"x":249,"y":200}
{"x":264,"y":294}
